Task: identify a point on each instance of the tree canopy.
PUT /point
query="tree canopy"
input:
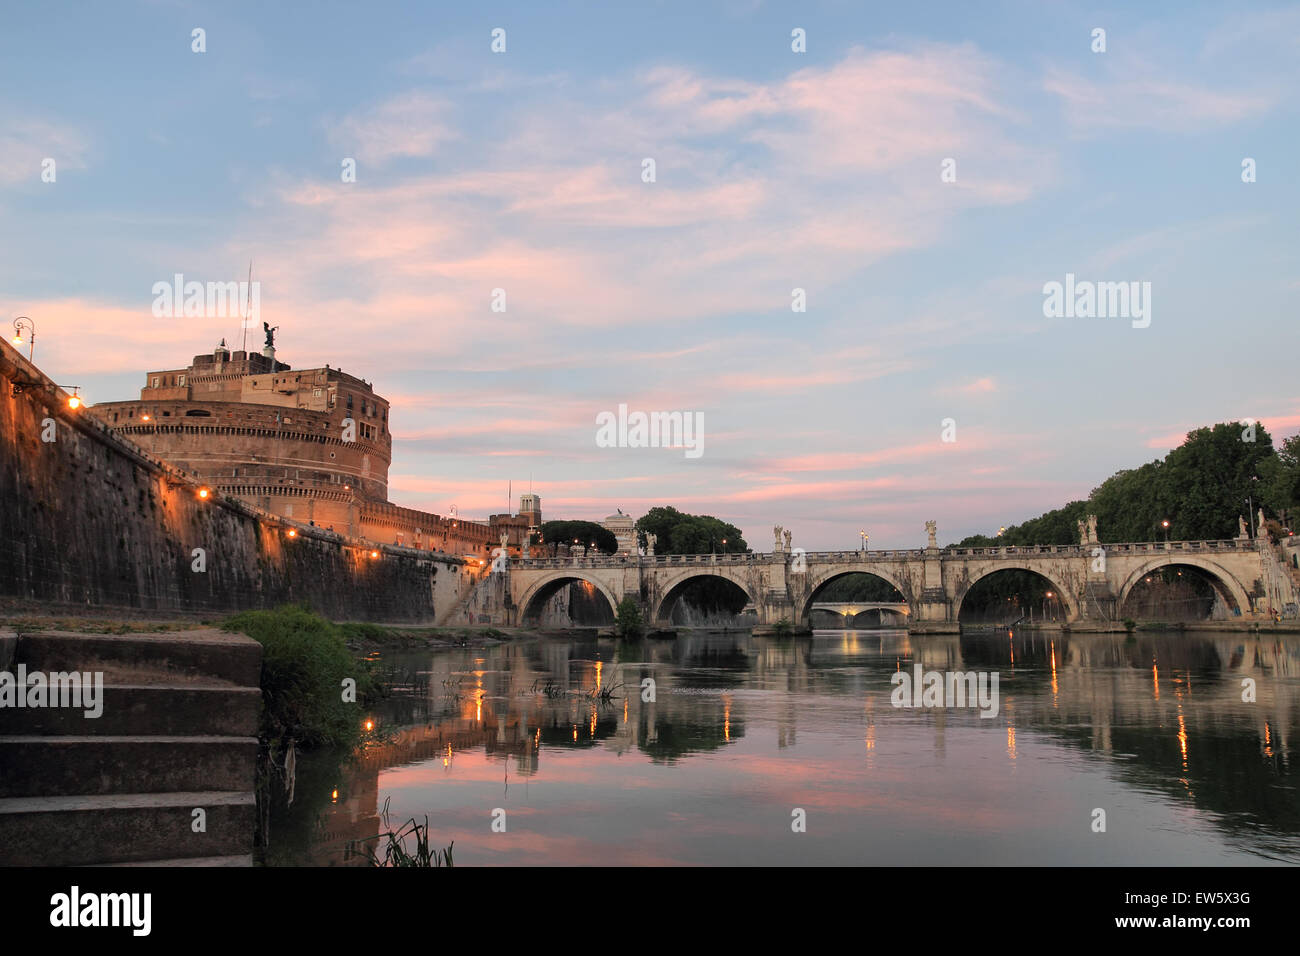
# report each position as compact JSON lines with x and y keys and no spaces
{"x":677,"y":532}
{"x":1200,"y":488}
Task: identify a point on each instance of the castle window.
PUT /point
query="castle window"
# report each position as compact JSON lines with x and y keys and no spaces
{"x":155,"y":381}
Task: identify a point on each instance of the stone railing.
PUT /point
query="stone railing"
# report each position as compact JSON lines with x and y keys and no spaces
{"x":868,"y":557}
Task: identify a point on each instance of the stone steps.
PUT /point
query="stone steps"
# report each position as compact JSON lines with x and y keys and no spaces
{"x":177,"y":732}
{"x":129,"y":710}
{"x":61,"y":765}
{"x":130,"y":828}
{"x":179,"y":654}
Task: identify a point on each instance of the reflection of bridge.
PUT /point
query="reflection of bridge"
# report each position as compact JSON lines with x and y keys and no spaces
{"x":1091,"y":581}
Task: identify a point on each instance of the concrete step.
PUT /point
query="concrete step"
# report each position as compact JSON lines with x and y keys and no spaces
{"x":204,"y":861}
{"x":68,"y":765}
{"x":184,"y":654}
{"x":133,"y":828}
{"x":128,"y":710}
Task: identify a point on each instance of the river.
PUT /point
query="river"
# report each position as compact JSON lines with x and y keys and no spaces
{"x":1104,"y":750}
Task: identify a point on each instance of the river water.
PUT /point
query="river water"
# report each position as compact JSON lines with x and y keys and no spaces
{"x":791,"y":751}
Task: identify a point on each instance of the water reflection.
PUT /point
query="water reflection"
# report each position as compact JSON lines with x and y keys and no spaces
{"x":591,"y":767}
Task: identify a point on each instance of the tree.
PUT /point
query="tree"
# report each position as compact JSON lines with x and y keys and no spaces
{"x":555,"y":533}
{"x":677,"y":532}
{"x":1199,"y":488}
{"x":628,"y":621}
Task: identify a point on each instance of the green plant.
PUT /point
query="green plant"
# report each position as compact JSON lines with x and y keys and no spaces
{"x":628,"y":621}
{"x":305,"y":663}
{"x":395,"y":851}
{"x":783,"y":627}
{"x":1130,"y":625}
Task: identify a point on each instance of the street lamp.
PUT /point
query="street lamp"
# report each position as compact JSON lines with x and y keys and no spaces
{"x":17,"y":340}
{"x":864,"y":536}
{"x":1165,"y":525}
{"x":1045,"y":600}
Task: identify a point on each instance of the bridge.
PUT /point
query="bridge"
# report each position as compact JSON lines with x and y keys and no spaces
{"x":849,"y":610}
{"x":1091,"y":580}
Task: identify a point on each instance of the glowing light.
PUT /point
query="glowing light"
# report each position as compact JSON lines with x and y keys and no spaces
{"x":1182,"y":739}
{"x":74,"y":401}
{"x":293,"y":533}
{"x":374,"y":554}
{"x":205,"y":493}
{"x":17,"y":340}
{"x":334,"y":797}
{"x":370,"y":725}
{"x":144,"y":418}
{"x":1155,"y":677}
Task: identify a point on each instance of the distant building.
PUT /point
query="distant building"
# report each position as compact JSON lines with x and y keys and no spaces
{"x":530,"y":507}
{"x":623,"y":527}
{"x":312,"y":445}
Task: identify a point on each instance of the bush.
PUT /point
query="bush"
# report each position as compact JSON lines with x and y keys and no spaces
{"x":304,"y":664}
{"x":628,"y":621}
{"x":783,"y":627}
{"x":1130,"y":624}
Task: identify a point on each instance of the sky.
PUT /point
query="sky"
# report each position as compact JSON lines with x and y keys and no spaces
{"x":825,"y":171}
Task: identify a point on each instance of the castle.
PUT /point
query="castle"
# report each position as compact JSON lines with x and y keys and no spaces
{"x":311,"y":445}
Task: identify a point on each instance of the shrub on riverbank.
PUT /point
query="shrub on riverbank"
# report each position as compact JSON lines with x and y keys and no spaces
{"x":628,"y":621}
{"x":304,"y":664}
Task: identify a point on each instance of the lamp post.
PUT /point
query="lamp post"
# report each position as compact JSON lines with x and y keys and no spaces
{"x":1165,"y":524}
{"x":17,"y":340}
{"x":863,"y":534}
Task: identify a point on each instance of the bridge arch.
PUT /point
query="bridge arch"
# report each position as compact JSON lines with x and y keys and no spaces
{"x":670,"y":589}
{"x":822,"y":578}
{"x":1221,"y":579}
{"x":1068,"y":598}
{"x":543,"y":589}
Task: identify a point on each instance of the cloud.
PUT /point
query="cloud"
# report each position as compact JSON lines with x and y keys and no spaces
{"x":413,"y":124}
{"x":25,"y":142}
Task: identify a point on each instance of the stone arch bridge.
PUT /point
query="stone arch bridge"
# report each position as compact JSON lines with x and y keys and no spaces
{"x":1092,"y":580}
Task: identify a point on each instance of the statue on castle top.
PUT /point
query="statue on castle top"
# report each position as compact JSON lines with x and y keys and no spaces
{"x":270,"y":334}
{"x":505,"y":540}
{"x":932,"y":529}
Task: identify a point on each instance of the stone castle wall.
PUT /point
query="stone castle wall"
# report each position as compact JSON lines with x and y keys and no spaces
{"x":92,"y":520}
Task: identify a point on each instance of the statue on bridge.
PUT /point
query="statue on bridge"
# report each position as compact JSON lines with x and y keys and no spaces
{"x":788,"y":536}
{"x":932,"y":529}
{"x":650,"y":540}
{"x":776,"y":533}
{"x":1242,"y":531}
{"x":1092,"y":530}
{"x":1261,"y":531}
{"x":1083,"y":531}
